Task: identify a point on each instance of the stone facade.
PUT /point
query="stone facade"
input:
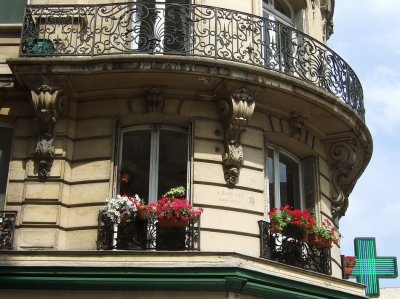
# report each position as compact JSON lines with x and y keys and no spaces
{"x":67,"y":114}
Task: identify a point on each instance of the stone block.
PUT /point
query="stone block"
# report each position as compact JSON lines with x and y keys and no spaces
{"x":93,"y":148}
{"x":240,"y":222}
{"x":15,"y":192}
{"x":94,"y":127}
{"x":225,"y":242}
{"x":82,"y":217}
{"x":213,"y":173}
{"x":81,"y":240}
{"x":38,"y":238}
{"x":17,"y":170}
{"x":89,"y":193}
{"x":20,"y":148}
{"x":42,"y":191}
{"x":208,"y":129}
{"x":55,"y":172}
{"x":253,"y":137}
{"x":91,"y":170}
{"x":40,"y":214}
{"x":324,"y":167}
{"x":231,"y":198}
{"x":276,"y":124}
{"x":325,"y":186}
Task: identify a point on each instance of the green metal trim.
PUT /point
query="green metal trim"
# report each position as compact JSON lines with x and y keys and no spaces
{"x":164,"y":279}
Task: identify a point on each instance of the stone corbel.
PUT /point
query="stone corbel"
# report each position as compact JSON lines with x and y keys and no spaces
{"x":47,"y":103}
{"x":154,"y":99}
{"x":343,"y":157}
{"x":235,"y":112}
{"x":296,"y":124}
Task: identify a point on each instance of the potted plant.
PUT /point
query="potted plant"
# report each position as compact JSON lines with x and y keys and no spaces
{"x":121,"y":208}
{"x":292,"y":223}
{"x":349,"y":263}
{"x":173,"y":209}
{"x":126,"y":171}
{"x":323,"y":236}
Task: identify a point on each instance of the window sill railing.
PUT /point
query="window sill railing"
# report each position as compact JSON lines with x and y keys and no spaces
{"x":290,"y":251}
{"x":189,"y":30}
{"x":7,"y":227}
{"x":139,"y":234}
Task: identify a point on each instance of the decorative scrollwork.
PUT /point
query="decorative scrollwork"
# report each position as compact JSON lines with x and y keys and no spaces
{"x":235,"y":112}
{"x":192,"y":30}
{"x":47,"y":102}
{"x":343,"y":156}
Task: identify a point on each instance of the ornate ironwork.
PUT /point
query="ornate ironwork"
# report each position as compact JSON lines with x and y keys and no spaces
{"x":290,"y":251}
{"x":192,"y":30}
{"x":138,"y":234}
{"x":7,"y":226}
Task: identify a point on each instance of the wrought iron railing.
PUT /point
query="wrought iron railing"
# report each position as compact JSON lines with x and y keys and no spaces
{"x":139,"y":234}
{"x":191,"y":30}
{"x":7,"y":227}
{"x":291,"y":251}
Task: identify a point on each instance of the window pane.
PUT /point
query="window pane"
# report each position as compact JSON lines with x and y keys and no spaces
{"x":136,"y":149}
{"x":12,"y":11}
{"x":5,"y":152}
{"x":271,"y":180}
{"x":289,"y":182}
{"x":172,"y":160}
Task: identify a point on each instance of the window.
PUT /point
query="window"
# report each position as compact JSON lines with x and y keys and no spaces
{"x":5,"y":154}
{"x":12,"y":12}
{"x":279,"y":45}
{"x":284,"y":179}
{"x":160,"y":158}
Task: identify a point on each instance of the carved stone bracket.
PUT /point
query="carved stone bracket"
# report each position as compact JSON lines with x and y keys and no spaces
{"x":47,"y":103}
{"x":296,"y":123}
{"x":343,"y":157}
{"x":235,"y":112}
{"x":154,"y":99}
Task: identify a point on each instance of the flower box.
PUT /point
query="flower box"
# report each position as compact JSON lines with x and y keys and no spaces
{"x":318,"y":241}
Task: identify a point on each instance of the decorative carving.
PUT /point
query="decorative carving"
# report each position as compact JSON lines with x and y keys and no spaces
{"x":47,"y":102}
{"x":296,"y":123}
{"x":327,"y":20}
{"x":343,"y":156}
{"x":154,"y":99}
{"x":235,"y":112}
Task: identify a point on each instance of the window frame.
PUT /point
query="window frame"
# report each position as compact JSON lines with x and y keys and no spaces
{"x":273,"y":13}
{"x":154,"y":155}
{"x":277,"y":151}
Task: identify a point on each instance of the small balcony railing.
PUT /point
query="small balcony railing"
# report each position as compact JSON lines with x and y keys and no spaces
{"x":7,"y":227}
{"x":146,"y":234}
{"x":190,"y":30}
{"x":291,"y":251}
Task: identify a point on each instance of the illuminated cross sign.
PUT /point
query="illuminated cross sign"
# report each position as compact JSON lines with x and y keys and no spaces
{"x":369,"y":267}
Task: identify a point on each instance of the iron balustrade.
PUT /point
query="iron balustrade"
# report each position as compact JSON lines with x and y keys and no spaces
{"x":7,"y":227}
{"x":290,"y":251}
{"x":139,"y":234}
{"x":190,"y":30}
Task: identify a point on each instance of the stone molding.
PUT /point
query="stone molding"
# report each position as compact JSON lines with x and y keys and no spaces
{"x":343,"y":158}
{"x":235,"y":111}
{"x":48,"y":101}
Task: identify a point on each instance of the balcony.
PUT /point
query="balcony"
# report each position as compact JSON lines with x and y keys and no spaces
{"x":146,"y":234}
{"x":7,"y":227}
{"x":288,"y":250}
{"x":188,"y":30}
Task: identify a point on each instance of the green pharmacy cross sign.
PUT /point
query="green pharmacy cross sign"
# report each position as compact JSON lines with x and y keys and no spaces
{"x":369,"y":267}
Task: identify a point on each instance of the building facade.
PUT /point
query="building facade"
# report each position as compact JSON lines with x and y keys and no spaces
{"x":241,"y":102}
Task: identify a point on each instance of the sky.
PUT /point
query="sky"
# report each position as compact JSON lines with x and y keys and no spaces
{"x":367,"y":36}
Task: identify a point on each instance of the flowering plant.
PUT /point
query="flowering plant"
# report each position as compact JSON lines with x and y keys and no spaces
{"x":327,"y":231}
{"x":349,"y":261}
{"x":117,"y":208}
{"x":173,"y":205}
{"x":285,"y":215}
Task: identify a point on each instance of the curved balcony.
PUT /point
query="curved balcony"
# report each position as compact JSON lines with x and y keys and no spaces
{"x":188,"y":30}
